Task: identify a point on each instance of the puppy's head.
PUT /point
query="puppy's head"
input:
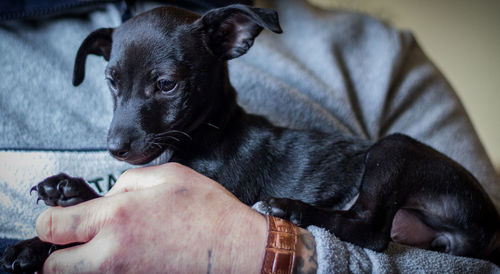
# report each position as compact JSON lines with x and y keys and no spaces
{"x":167,"y":71}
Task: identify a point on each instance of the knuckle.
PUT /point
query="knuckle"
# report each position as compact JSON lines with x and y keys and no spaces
{"x":175,"y":168}
{"x":128,"y":174}
{"x":173,"y":165}
{"x":171,"y":173}
{"x":51,"y":265}
{"x":126,"y":180}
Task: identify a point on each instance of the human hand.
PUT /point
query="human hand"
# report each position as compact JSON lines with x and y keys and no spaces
{"x":157,"y":219}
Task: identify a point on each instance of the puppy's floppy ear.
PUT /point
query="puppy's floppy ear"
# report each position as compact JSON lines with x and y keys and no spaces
{"x":230,"y":31}
{"x":98,"y":43}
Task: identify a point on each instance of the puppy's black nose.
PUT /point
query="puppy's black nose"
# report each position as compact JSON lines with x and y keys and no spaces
{"x":119,"y":147}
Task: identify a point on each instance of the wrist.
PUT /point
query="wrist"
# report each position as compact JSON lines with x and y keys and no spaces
{"x":243,"y":247}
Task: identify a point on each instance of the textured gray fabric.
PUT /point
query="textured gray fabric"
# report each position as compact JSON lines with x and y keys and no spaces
{"x":329,"y":70}
{"x":336,"y":256}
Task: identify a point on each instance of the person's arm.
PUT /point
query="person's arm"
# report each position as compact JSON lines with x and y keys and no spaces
{"x":163,"y":219}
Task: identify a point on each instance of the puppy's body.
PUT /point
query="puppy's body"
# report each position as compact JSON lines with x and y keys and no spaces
{"x":256,"y":160}
{"x":168,"y":77}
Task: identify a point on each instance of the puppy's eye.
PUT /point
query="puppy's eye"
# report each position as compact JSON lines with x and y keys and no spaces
{"x":166,"y":86}
{"x":111,"y":83}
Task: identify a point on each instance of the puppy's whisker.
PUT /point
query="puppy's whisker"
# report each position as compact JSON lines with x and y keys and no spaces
{"x":157,"y":145}
{"x":214,"y":126}
{"x":160,"y":138}
{"x":162,"y":143}
{"x":176,"y":131}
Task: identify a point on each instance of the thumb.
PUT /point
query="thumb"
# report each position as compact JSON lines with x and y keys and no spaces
{"x":79,"y":223}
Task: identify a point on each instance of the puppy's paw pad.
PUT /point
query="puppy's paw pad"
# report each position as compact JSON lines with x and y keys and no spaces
{"x":63,"y":190}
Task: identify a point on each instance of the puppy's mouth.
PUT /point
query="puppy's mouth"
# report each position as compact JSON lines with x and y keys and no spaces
{"x":146,"y":157}
{"x":152,"y":156}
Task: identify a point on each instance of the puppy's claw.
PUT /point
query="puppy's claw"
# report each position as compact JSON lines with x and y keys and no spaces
{"x":16,"y":267}
{"x":262,"y":207}
{"x":34,"y":188}
{"x":52,"y":249}
{"x":38,"y":200}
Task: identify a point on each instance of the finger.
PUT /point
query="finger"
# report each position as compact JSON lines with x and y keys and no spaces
{"x":146,"y":177}
{"x":78,"y":223}
{"x":85,"y":258}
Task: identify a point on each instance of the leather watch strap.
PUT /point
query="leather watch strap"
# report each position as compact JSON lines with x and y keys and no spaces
{"x":280,"y":249}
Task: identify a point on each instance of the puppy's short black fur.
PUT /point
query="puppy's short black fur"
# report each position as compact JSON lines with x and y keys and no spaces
{"x":173,"y":101}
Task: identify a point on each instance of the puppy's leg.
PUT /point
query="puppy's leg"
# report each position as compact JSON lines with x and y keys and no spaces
{"x":383,"y":190}
{"x":60,"y":190}
{"x":356,"y":225}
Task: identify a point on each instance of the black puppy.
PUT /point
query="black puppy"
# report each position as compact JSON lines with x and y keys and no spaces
{"x":173,"y":101}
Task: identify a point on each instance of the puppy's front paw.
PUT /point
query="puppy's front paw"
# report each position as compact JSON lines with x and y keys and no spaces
{"x":25,"y":256}
{"x":63,"y":190}
{"x":287,"y":209}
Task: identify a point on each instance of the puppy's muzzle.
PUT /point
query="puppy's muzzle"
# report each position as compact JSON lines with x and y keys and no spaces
{"x":119,"y":146}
